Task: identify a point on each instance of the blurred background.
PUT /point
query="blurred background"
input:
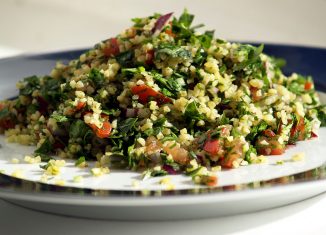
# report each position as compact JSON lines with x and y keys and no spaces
{"x":40,"y":25}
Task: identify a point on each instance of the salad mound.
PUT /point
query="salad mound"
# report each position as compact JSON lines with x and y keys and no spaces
{"x":163,"y":98}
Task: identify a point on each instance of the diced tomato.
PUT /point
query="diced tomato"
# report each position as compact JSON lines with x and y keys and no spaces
{"x":105,"y":130}
{"x":43,"y":105}
{"x":269,"y":133}
{"x":169,"y":30}
{"x":149,"y":57}
{"x":227,"y":162}
{"x":277,"y":151}
{"x":254,"y":94}
{"x":7,"y":124}
{"x":112,"y":47}
{"x":80,"y":105}
{"x":308,"y":85}
{"x":298,"y":130}
{"x":179,"y":154}
{"x":313,"y":134}
{"x":153,"y":145}
{"x":212,"y":146}
{"x":210,"y":180}
{"x":233,"y":154}
{"x":272,"y":148}
{"x":145,"y":93}
{"x":58,"y":145}
{"x":271,"y":151}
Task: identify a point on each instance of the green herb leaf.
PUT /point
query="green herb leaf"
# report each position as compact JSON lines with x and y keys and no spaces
{"x":192,"y":113}
{"x":80,"y":161}
{"x":45,"y":148}
{"x":256,"y":130}
{"x":251,"y":53}
{"x":170,"y":50}
{"x":321,"y":110}
{"x":170,"y":86}
{"x":127,"y":125}
{"x":59,"y":117}
{"x":78,"y":129}
{"x":4,"y":113}
{"x":194,"y":172}
{"x":186,"y":19}
{"x":125,"y":59}
{"x":96,"y":77}
{"x":32,"y":83}
{"x":248,"y":153}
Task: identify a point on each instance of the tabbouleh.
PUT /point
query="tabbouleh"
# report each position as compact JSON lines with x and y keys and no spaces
{"x":163,"y":98}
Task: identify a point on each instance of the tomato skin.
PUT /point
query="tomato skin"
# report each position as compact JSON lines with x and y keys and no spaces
{"x":212,"y":146}
{"x":228,"y":161}
{"x":298,"y":130}
{"x":308,"y":85}
{"x":7,"y":124}
{"x":313,"y":134}
{"x":105,"y":130}
{"x":145,"y":93}
{"x":254,"y":95}
{"x":271,"y":151}
{"x":169,"y":30}
{"x":269,"y":133}
{"x":149,"y":57}
{"x":43,"y":105}
{"x":112,"y":49}
{"x":235,"y":153}
{"x":272,"y":148}
{"x":210,"y":180}
{"x":80,"y":105}
{"x":277,"y":151}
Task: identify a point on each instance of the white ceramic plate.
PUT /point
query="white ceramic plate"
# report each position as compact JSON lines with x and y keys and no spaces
{"x":112,"y":196}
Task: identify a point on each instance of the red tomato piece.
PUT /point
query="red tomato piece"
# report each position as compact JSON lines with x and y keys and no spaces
{"x":145,"y":93}
{"x":212,"y":146}
{"x":113,"y":48}
{"x":211,"y":180}
{"x":149,"y":57}
{"x":269,"y":133}
{"x":313,"y":134}
{"x":43,"y":105}
{"x":308,"y":85}
{"x":80,"y":105}
{"x":227,"y":162}
{"x":277,"y":151}
{"x":105,"y":131}
{"x":254,"y":95}
{"x":169,"y":30}
{"x":7,"y":124}
{"x":298,"y":130}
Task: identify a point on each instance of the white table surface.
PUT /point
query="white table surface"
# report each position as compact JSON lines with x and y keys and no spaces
{"x":274,"y":21}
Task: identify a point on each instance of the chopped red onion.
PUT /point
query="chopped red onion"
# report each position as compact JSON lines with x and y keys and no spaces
{"x":131,"y":112}
{"x":313,"y":134}
{"x":161,"y":22}
{"x":169,"y":169}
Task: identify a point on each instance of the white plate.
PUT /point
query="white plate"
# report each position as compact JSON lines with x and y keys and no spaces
{"x":112,"y":196}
